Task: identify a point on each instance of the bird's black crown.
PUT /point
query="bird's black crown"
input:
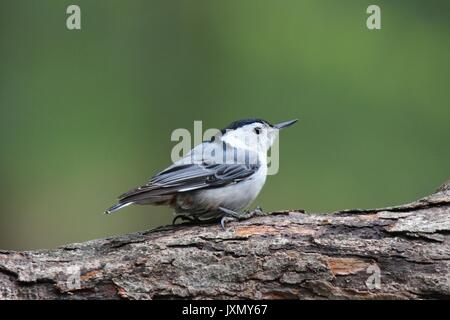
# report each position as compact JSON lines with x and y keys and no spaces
{"x":240,"y":123}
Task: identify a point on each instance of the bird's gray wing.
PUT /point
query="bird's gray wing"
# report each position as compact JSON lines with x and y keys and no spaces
{"x":189,"y":177}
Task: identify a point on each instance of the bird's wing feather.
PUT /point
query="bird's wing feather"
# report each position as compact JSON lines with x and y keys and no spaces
{"x":188,"y":177}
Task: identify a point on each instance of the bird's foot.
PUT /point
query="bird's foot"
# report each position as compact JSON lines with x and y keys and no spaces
{"x":226,"y":219}
{"x":231,"y":215}
{"x":182,"y":217}
{"x":254,"y":213}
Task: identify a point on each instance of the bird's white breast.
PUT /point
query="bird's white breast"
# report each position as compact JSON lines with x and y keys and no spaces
{"x":236,"y":196}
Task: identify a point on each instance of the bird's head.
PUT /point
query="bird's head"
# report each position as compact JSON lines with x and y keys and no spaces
{"x":253,"y":134}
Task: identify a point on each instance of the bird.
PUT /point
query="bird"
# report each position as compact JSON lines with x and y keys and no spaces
{"x":217,"y":179}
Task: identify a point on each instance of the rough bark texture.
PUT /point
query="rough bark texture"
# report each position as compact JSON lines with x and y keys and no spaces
{"x":400,"y":252}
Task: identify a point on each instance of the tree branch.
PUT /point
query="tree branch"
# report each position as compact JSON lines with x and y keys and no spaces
{"x":396,"y":252}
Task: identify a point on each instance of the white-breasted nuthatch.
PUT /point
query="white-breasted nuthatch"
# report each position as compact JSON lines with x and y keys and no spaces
{"x":217,"y":179}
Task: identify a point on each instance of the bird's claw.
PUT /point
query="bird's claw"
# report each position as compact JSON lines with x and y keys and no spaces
{"x":257,"y":212}
{"x":231,"y":215}
{"x":225,"y":219}
{"x":182,"y":217}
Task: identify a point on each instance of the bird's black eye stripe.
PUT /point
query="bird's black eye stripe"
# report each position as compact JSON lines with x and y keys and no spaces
{"x":257,"y":130}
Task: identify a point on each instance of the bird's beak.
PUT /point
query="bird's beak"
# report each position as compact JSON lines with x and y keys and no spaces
{"x":284,"y":124}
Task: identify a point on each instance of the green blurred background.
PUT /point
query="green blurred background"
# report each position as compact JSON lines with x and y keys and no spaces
{"x":86,"y":115}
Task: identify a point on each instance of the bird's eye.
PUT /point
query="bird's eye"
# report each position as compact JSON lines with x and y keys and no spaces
{"x":257,"y":130}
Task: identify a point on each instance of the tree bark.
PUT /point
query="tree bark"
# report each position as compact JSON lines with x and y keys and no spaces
{"x":400,"y":252}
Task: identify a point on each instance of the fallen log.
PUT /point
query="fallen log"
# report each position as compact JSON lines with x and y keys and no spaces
{"x":400,"y":252}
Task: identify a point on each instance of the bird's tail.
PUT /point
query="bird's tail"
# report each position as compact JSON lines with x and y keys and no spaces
{"x":117,"y":206}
